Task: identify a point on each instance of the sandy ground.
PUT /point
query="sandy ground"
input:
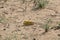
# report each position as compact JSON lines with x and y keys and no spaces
{"x":14,"y":12}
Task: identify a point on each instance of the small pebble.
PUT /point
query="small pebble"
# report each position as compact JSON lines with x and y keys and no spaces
{"x":34,"y":39}
{"x":4,"y":29}
{"x":58,"y":34}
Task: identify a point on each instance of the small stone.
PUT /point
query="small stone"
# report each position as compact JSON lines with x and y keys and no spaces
{"x":57,"y":28}
{"x":58,"y":34}
{"x":4,"y":29}
{"x":20,"y":10}
{"x":34,"y":39}
{"x":2,"y":7}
